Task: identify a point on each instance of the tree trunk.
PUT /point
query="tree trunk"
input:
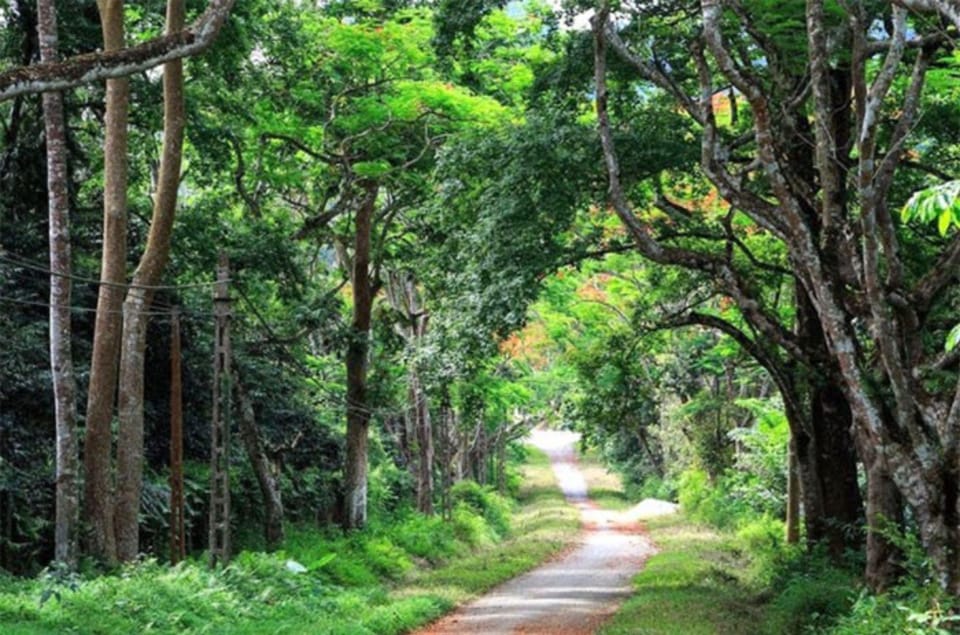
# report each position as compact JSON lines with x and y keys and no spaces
{"x":269,"y":488}
{"x":501,"y":462}
{"x":98,"y":488}
{"x":178,"y":548}
{"x":447,"y":451}
{"x":793,"y":496}
{"x":884,"y":513}
{"x":826,"y":464}
{"x":404,"y":297}
{"x":61,"y":357}
{"x":825,"y":450}
{"x":424,"y":433}
{"x":358,"y":411}
{"x":137,"y":303}
{"x":837,"y":471}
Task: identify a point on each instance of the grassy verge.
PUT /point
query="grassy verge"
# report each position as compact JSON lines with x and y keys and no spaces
{"x":694,"y":585}
{"x":604,"y":487}
{"x":387,"y":579}
{"x":543,"y":526}
{"x":709,"y":581}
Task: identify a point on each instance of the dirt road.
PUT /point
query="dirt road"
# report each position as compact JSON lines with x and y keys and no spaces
{"x":574,"y":594}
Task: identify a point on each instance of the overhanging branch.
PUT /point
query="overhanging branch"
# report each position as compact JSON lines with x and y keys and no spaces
{"x":93,"y":67}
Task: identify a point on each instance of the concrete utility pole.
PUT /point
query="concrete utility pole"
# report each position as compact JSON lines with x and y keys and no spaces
{"x":178,"y":547}
{"x":220,"y":432}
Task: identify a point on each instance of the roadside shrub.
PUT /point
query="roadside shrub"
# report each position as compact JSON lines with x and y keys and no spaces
{"x":388,"y":490}
{"x":425,"y":537}
{"x":812,"y":600}
{"x":710,"y":503}
{"x":764,"y":539}
{"x":915,"y":606}
{"x":904,"y":609}
{"x":653,"y":487}
{"x":494,"y":508}
{"x":469,"y":527}
{"x":385,"y":557}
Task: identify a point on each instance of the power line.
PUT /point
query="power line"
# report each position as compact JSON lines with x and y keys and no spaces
{"x":76,"y":309}
{"x":18,"y":261}
{"x":328,"y":395}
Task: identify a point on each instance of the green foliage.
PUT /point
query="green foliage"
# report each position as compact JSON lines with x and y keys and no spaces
{"x":904,"y":609}
{"x":426,"y":537}
{"x":370,"y":582}
{"x":706,"y":503}
{"x":485,"y":502}
{"x":940,"y":203}
{"x":469,"y":528}
{"x":811,"y":601}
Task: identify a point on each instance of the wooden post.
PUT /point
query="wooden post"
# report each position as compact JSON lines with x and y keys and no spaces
{"x":178,"y":547}
{"x":220,"y":431}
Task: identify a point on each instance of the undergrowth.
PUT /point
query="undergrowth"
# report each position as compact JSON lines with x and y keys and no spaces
{"x":724,"y":567}
{"x":389,"y":578}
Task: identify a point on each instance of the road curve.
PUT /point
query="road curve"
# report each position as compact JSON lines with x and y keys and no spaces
{"x":574,"y":594}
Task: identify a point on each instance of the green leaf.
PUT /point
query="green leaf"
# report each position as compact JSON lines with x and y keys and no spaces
{"x":322,"y":561}
{"x":940,"y":203}
{"x":371,"y":169}
{"x":944,"y":221}
{"x":953,"y":338}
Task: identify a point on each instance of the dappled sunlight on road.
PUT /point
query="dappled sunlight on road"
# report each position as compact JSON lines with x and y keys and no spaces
{"x":574,"y":594}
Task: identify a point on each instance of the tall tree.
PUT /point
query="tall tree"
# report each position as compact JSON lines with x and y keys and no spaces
{"x":361,"y":129}
{"x":102,"y":388}
{"x":358,"y":349}
{"x":138,"y":300}
{"x":61,"y":356}
{"x":405,"y":298}
{"x":829,"y":209}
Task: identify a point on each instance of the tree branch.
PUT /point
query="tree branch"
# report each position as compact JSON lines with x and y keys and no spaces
{"x":94,"y":67}
{"x":948,"y":8}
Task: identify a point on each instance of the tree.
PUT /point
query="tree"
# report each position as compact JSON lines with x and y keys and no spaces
{"x":102,"y":388}
{"x":61,"y":356}
{"x":405,"y":298}
{"x":858,"y":293}
{"x":138,"y":299}
{"x":365,"y":116}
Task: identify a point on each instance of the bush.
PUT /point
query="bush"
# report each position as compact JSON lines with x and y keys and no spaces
{"x":425,"y":537}
{"x":712,"y":504}
{"x":385,"y":557}
{"x":764,"y":538}
{"x":916,"y":605}
{"x":812,"y":600}
{"x":469,"y":527}
{"x":902,"y":610}
{"x":494,"y":509}
{"x":653,"y":487}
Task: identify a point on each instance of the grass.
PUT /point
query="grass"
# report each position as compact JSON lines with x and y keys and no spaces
{"x":698,"y":583}
{"x":695,"y":585}
{"x":386,"y":579}
{"x":543,"y":526}
{"x":604,"y":487}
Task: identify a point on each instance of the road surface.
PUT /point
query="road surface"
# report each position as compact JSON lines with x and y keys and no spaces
{"x":574,"y":594}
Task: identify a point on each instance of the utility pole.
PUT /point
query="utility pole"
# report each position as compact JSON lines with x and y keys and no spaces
{"x":220,"y":432}
{"x":178,"y":547}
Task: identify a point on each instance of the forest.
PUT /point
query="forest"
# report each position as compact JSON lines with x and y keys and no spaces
{"x":285,"y":287}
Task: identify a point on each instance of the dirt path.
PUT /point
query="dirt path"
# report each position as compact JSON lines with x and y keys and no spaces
{"x":574,"y":594}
